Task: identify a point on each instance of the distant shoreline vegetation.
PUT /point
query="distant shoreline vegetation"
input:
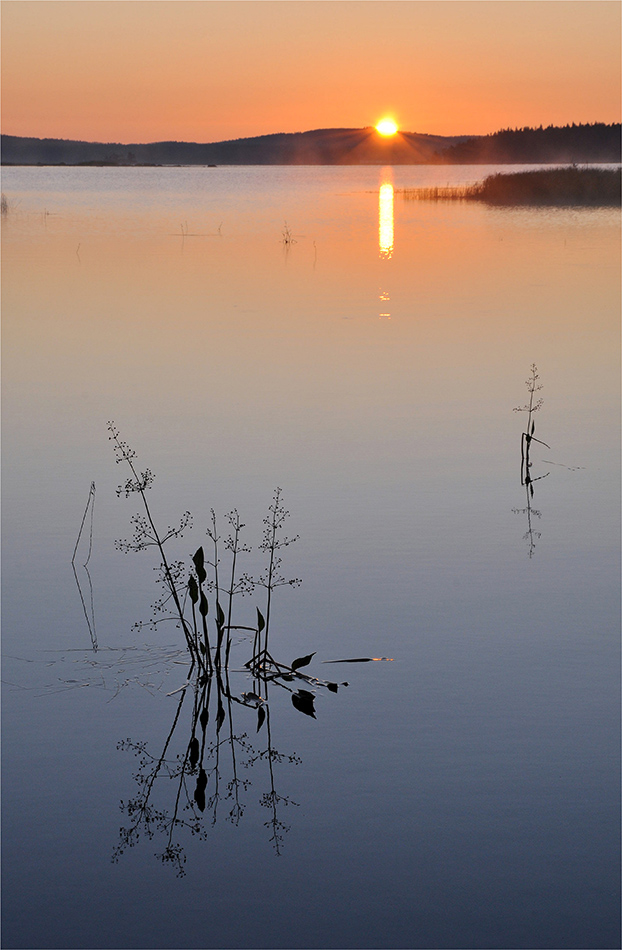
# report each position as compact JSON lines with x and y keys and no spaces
{"x":596,"y":143}
{"x":575,"y":187}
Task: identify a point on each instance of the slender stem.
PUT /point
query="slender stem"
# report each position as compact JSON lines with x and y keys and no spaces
{"x":232,"y":587}
{"x":156,"y":536}
{"x":271,"y":569}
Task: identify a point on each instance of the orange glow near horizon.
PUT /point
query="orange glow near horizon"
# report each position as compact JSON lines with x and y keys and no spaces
{"x":193,"y":70}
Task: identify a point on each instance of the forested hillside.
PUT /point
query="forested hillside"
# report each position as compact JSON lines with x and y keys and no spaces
{"x":570,"y":143}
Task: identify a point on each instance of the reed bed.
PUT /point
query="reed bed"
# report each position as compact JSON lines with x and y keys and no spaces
{"x":574,"y":187}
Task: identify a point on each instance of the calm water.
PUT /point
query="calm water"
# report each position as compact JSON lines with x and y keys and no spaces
{"x":465,"y":795}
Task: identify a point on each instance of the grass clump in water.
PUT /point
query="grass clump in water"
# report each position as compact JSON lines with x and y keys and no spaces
{"x":569,"y":187}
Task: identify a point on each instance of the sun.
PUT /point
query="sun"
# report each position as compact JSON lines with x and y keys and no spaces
{"x":387,"y":126}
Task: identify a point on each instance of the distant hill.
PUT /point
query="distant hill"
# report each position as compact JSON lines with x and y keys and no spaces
{"x":577,"y":143}
{"x":555,"y":145}
{"x":318,"y":147}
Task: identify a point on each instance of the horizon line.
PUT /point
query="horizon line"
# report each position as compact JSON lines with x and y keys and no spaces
{"x":305,"y":132}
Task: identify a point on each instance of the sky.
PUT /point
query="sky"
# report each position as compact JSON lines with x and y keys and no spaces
{"x":209,"y":70}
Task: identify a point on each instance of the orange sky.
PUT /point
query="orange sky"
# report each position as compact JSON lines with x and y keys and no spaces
{"x":207,"y":70}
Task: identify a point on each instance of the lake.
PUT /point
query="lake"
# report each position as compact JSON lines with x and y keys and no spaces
{"x":309,"y":328}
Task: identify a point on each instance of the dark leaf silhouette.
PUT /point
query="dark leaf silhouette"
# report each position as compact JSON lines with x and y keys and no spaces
{"x":260,"y":621}
{"x":261,"y":715}
{"x":194,"y":751}
{"x":199,"y":560}
{"x":220,"y":617}
{"x":302,"y":661}
{"x":533,"y":427}
{"x":220,"y":717}
{"x":203,"y":607}
{"x":199,"y":792}
{"x":303,"y":702}
{"x":193,"y":590}
{"x":204,"y":718}
{"x":333,"y":687}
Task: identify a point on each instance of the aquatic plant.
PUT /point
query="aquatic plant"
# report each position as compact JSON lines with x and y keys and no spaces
{"x":186,"y":586}
{"x":571,"y":186}
{"x":287,"y":237}
{"x":89,"y":612}
{"x":146,"y":534}
{"x":534,"y":405}
{"x":207,"y":768}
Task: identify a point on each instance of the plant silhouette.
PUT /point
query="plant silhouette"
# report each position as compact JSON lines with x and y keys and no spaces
{"x":533,"y":405}
{"x":205,"y":762}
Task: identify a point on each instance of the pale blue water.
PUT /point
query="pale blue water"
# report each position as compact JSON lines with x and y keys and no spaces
{"x":466,"y":794}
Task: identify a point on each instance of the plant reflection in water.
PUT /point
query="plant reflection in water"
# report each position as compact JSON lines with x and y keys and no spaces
{"x":205,"y":757}
{"x":208,"y":777}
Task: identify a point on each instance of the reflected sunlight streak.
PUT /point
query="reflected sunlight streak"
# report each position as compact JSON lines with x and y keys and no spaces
{"x":385,"y":220}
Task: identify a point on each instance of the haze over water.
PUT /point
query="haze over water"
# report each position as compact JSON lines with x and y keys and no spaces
{"x":464,"y":795}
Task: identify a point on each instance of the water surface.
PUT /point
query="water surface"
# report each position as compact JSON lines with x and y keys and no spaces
{"x":464,"y":795}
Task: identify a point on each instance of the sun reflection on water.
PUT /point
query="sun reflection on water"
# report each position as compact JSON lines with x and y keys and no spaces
{"x":385,"y":220}
{"x":385,"y":234}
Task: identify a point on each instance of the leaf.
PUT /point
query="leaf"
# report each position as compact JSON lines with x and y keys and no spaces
{"x":204,"y":718}
{"x":199,"y":560}
{"x":194,"y":751}
{"x":220,"y":716}
{"x":303,"y":702}
{"x":260,"y":621}
{"x":203,"y":605}
{"x":199,"y":792}
{"x":302,"y":661}
{"x":333,"y":687}
{"x":261,"y":715}
{"x":533,"y":427}
{"x":220,"y":617}
{"x":193,"y":590}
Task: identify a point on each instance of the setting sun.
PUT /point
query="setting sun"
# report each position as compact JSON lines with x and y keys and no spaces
{"x":387,"y":127}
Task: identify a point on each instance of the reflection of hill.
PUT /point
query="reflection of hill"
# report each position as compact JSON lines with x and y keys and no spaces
{"x":319,"y":147}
